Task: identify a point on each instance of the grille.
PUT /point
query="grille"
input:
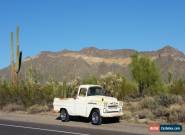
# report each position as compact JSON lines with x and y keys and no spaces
{"x":113,"y":106}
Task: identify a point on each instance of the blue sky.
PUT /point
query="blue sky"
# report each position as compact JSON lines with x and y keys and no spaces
{"x":55,"y":25}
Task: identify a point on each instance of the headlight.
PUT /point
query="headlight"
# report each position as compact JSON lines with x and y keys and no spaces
{"x":105,"y":107}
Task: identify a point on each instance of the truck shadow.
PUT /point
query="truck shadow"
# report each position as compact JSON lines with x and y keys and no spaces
{"x":86,"y":120}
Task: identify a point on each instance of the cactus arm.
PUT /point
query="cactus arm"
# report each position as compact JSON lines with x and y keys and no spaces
{"x":19,"y":63}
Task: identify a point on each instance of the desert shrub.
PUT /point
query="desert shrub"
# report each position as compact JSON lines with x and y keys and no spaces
{"x":178,"y":99}
{"x":132,"y":106}
{"x":149,"y":103}
{"x":176,"y":113}
{"x":127,"y":89}
{"x":7,"y":95}
{"x":12,"y":107}
{"x":144,"y":114}
{"x":183,"y":97}
{"x":132,"y":98}
{"x":166,"y":100}
{"x":161,"y":111}
{"x":28,"y":94}
{"x":37,"y":109}
{"x":127,"y":115}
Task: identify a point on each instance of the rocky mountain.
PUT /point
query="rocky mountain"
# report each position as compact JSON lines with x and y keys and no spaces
{"x":67,"y":65}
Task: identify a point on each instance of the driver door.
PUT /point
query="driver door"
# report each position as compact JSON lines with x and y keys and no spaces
{"x":81,"y":104}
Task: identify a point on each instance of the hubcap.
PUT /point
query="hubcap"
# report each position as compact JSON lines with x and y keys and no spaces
{"x":95,"y":117}
{"x":63,"y":115}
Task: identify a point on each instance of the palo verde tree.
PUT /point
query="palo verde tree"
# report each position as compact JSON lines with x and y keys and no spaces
{"x":144,"y":72}
{"x":15,"y":66}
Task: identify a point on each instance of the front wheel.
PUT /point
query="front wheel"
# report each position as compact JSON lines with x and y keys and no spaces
{"x":117,"y":119}
{"x":64,"y":116}
{"x":96,"y":119}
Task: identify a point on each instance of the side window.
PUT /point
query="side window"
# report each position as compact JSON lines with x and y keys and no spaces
{"x":82,"y":92}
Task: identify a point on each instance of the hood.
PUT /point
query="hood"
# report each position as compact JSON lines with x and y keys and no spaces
{"x":103,"y":98}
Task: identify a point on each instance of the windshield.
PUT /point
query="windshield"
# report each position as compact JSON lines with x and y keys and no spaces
{"x":93,"y":91}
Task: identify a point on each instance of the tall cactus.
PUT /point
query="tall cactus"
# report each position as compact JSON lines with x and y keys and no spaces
{"x":15,"y":66}
{"x":12,"y":57}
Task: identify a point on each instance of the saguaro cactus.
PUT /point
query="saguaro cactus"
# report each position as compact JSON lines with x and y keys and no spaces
{"x":15,"y":66}
{"x":12,"y":57}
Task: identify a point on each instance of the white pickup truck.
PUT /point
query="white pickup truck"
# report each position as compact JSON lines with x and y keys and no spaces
{"x":91,"y":103}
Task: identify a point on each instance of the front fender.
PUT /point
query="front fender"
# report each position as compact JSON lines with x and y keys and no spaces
{"x":91,"y":106}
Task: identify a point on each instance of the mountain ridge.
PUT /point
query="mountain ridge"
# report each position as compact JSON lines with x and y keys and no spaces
{"x":67,"y":64}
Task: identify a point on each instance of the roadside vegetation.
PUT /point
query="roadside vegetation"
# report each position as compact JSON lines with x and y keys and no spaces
{"x":146,"y":96}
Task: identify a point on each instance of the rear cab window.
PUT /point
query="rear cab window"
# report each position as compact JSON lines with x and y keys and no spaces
{"x":83,"y":92}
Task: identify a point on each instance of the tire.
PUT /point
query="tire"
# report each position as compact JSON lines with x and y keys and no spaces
{"x":96,"y":119}
{"x":64,"y":116}
{"x":117,"y":119}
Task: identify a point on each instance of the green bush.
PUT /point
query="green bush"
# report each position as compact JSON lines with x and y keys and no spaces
{"x":156,"y":89}
{"x":178,"y":87}
{"x":90,"y":80}
{"x":145,"y":72}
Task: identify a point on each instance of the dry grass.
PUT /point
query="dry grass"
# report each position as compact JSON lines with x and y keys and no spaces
{"x":12,"y":108}
{"x":37,"y":109}
{"x":161,"y":112}
{"x":132,"y":106}
{"x":144,"y":113}
{"x":127,"y":115}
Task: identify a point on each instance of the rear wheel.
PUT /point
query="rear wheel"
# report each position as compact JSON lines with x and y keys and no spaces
{"x":96,"y":119}
{"x":64,"y":116}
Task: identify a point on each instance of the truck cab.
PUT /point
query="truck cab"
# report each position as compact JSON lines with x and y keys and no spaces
{"x":90,"y":102}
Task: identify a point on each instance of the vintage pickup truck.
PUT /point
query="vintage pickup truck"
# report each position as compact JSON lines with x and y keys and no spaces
{"x":90,"y":102}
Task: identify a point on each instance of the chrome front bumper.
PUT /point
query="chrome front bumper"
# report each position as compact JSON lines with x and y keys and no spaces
{"x":112,"y":114}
